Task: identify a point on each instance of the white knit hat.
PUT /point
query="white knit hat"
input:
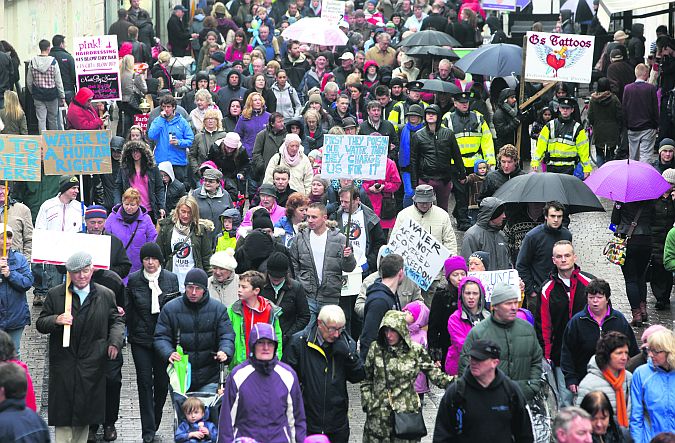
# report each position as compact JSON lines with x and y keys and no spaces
{"x":224,"y":259}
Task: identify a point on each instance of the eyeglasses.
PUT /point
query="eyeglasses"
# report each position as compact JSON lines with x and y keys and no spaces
{"x":596,"y":297}
{"x":332,"y":329}
{"x":654,"y":351}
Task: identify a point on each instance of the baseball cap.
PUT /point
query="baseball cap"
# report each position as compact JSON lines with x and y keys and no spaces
{"x":484,"y":349}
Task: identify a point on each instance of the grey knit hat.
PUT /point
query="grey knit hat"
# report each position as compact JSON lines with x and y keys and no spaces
{"x":669,"y":175}
{"x":78,"y":261}
{"x":502,"y":293}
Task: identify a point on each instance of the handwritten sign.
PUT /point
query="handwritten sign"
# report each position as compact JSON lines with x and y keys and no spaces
{"x":499,"y":5}
{"x":332,"y":11}
{"x":20,"y":157}
{"x":422,"y":254}
{"x":55,"y":247}
{"x":142,"y":121}
{"x":354,"y":156}
{"x":490,"y":278}
{"x":77,"y":152}
{"x":559,"y":57}
{"x":97,"y":66}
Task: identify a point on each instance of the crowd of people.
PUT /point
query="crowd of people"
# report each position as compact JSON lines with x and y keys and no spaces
{"x":228,"y":245}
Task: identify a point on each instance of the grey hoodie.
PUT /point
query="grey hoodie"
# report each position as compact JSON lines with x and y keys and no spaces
{"x":42,"y":63}
{"x":484,"y":237}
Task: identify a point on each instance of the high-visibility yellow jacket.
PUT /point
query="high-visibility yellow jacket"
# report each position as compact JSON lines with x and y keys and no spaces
{"x":400,"y":109}
{"x":473,"y":136}
{"x":562,"y":144}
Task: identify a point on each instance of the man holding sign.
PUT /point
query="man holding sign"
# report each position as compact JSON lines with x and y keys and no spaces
{"x":77,"y":382}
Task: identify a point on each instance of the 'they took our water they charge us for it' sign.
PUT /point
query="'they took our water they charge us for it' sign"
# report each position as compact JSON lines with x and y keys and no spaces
{"x":354,"y":156}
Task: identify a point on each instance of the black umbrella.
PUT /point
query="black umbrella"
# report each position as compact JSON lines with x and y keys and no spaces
{"x":547,"y":186}
{"x":437,"y":51}
{"x":435,"y":85}
{"x":494,"y":60}
{"x":429,"y":38}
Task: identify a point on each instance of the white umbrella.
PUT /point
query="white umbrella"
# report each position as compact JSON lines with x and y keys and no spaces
{"x":315,"y":30}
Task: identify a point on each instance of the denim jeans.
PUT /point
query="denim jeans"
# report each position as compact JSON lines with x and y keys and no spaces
{"x":46,"y":277}
{"x":16,"y":338}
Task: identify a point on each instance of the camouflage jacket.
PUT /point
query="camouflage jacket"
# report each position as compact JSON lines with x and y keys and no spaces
{"x":404,"y":361}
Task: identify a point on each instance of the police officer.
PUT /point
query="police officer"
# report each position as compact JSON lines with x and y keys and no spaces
{"x":562,"y":143}
{"x":400,"y":110}
{"x":475,"y":141}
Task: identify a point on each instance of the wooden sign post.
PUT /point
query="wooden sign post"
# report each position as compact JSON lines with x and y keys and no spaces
{"x":68,"y":310}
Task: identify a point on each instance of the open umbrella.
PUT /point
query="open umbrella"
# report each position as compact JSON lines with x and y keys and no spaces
{"x":582,"y":9}
{"x":437,"y":51}
{"x":627,"y":181}
{"x":428,"y":38}
{"x":548,"y":186}
{"x":497,"y":60}
{"x":435,"y":85}
{"x":180,"y":373}
{"x":315,"y":30}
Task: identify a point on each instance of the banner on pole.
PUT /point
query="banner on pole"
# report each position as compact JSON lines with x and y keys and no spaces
{"x":500,"y":5}
{"x":97,"y":66}
{"x":422,"y":253}
{"x":332,"y":11}
{"x":490,"y":278}
{"x":20,"y":157}
{"x":55,"y":247}
{"x":77,"y":152}
{"x":354,"y":156}
{"x":559,"y":57}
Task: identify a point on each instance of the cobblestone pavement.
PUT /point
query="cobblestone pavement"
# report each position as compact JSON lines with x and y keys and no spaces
{"x":590,"y":235}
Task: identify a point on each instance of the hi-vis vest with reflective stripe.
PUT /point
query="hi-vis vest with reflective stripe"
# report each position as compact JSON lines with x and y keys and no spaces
{"x":474,"y":140}
{"x":400,"y":109}
{"x":564,"y":148}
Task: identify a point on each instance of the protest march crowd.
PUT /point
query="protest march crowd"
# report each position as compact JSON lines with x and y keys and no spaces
{"x":257,"y":264}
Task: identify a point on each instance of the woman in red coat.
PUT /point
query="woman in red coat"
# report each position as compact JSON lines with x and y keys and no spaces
{"x":81,"y":114}
{"x":377,"y":189}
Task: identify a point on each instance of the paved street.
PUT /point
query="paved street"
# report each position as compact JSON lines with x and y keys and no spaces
{"x":590,"y":235}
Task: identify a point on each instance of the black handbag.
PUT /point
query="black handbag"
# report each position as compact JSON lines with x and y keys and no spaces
{"x":407,"y":425}
{"x":136,"y":97}
{"x":388,"y":210}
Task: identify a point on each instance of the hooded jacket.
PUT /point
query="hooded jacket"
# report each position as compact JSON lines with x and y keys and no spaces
{"x":21,"y":424}
{"x":652,"y":394}
{"x":295,"y":69}
{"x":596,"y":381}
{"x":156,"y":188}
{"x":227,"y":239}
{"x":202,"y":329}
{"x":326,"y":291}
{"x":14,"y":313}
{"x":174,"y":190}
{"x":48,"y":67}
{"x":262,"y":399}
{"x":288,"y":103}
{"x":461,"y":322}
{"x":636,"y":44}
{"x":82,"y":116}
{"x":323,"y":370}
{"x":404,"y":361}
{"x":485,"y":237}
{"x":379,"y":300}
{"x":506,"y":120}
{"x":606,"y":117}
{"x":227,"y":92}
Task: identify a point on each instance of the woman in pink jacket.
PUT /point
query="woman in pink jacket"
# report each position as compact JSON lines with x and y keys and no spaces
{"x":377,"y":190}
{"x":470,"y":311}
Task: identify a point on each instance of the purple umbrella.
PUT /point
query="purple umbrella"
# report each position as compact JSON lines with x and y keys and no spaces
{"x":627,"y":181}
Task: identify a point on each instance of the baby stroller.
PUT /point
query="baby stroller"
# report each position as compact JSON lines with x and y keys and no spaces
{"x":212,"y":402}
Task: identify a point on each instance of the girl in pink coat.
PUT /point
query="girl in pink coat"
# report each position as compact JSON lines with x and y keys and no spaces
{"x":376,"y":189}
{"x":470,"y":311}
{"x":417,"y":317}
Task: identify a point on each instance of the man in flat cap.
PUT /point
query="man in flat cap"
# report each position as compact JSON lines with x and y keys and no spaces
{"x":77,"y":382}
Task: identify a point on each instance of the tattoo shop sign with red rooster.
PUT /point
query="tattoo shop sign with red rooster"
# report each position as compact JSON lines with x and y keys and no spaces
{"x":559,"y":57}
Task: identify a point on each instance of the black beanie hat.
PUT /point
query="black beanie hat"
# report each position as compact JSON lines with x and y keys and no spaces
{"x":197,"y":277}
{"x":152,"y":250}
{"x":68,"y":181}
{"x":261,"y":219}
{"x":277,"y":265}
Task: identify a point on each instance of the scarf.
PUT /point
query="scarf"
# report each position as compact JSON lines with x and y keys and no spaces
{"x":290,"y":161}
{"x":130,"y":218}
{"x":153,"y":281}
{"x":216,"y":194}
{"x":183,"y":229}
{"x":404,"y":147}
{"x":617,"y":384}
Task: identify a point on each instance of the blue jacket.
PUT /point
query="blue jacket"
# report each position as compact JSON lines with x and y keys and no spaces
{"x":159,"y":131}
{"x":14,"y":313}
{"x":204,"y":329}
{"x":21,"y":424}
{"x":289,"y":232}
{"x":653,"y":397}
{"x":184,"y":429}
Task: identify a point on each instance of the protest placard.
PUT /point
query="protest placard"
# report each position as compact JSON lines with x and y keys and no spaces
{"x":500,"y":5}
{"x":142,"y":120}
{"x":490,"y":278}
{"x":77,"y":152}
{"x":351,"y":282}
{"x":20,"y":157}
{"x":332,"y":11}
{"x":559,"y":57}
{"x":354,"y":156}
{"x":55,"y":247}
{"x":422,"y":254}
{"x":97,"y":66}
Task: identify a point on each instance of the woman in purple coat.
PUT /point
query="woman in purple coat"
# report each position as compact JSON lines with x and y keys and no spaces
{"x":132,"y":225}
{"x":252,"y":120}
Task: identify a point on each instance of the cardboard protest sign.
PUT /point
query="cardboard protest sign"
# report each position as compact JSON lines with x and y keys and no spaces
{"x":423,"y":254}
{"x":77,"y":152}
{"x":142,"y":121}
{"x":332,"y":11}
{"x":490,"y":278}
{"x":55,"y":247}
{"x":20,"y":157}
{"x":354,"y":156}
{"x":351,"y":282}
{"x":499,"y":5}
{"x":559,"y":57}
{"x":97,"y":66}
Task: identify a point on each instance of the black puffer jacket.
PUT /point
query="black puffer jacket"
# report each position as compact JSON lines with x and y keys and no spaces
{"x":138,"y":301}
{"x":664,"y":218}
{"x":323,"y":375}
{"x":495,"y":179}
{"x":432,"y":152}
{"x":204,"y":329}
{"x":293,"y":303}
